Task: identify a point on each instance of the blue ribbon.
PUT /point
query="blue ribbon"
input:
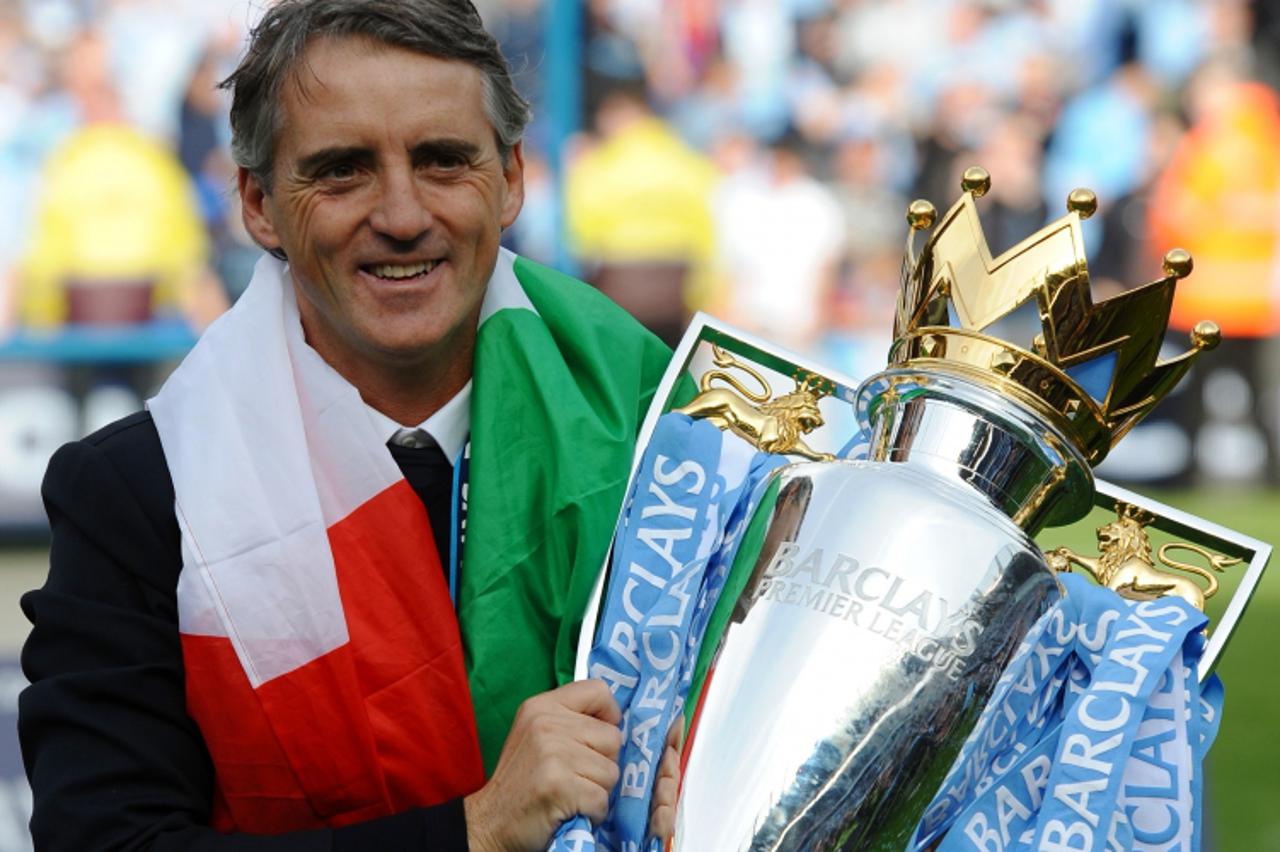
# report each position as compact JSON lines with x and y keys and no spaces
{"x":458,"y":516}
{"x":1093,"y":738}
{"x":693,"y":495}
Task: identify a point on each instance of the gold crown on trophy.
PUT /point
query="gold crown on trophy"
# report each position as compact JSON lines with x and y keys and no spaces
{"x":1091,"y":369}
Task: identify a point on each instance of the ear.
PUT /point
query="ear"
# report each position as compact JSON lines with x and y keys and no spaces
{"x":513,"y":172}
{"x":256,"y":210}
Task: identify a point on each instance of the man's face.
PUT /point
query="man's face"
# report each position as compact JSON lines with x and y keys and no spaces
{"x":389,"y":199}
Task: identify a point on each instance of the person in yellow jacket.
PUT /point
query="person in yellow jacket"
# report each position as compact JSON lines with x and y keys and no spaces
{"x":638,"y":213}
{"x":116,"y":217}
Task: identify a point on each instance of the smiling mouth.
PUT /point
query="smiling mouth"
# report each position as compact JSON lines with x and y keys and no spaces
{"x":396,"y":272}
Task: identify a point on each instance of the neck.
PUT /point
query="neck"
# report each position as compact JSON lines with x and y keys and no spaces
{"x":410,"y":397}
{"x":406,"y":390}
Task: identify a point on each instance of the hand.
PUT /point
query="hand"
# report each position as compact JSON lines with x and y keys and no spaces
{"x":662,"y":812}
{"x":560,"y":760}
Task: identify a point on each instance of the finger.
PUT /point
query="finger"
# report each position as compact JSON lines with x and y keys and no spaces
{"x":663,"y":823}
{"x":592,"y":698}
{"x":597,"y":769}
{"x":662,"y":815}
{"x":663,"y":807}
{"x":675,"y":734}
{"x":664,"y":792}
{"x":671,"y":753}
{"x":591,"y":800}
{"x":600,"y":737}
{"x":670,"y":766}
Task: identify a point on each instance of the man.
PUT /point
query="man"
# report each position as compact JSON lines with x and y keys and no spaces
{"x":251,"y":625}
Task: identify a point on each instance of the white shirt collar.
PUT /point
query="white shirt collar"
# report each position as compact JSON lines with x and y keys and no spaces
{"x":449,"y":426}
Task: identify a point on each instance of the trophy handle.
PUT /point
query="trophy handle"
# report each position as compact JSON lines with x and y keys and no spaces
{"x":1203,"y":536}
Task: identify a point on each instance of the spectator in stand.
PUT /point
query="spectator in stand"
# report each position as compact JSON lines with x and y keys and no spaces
{"x":1101,"y":138}
{"x":1126,"y":257}
{"x":202,"y":147}
{"x":704,"y":115}
{"x":117,"y":235}
{"x":1014,"y":208}
{"x":872,"y":208}
{"x":639,"y":215}
{"x":1220,"y":199}
{"x":781,"y":234}
{"x":758,"y":37}
{"x":610,"y":56}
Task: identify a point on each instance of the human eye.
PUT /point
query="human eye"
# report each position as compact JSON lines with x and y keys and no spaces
{"x":338,"y":173}
{"x":444,"y":160}
{"x":451,"y":161}
{"x":448,"y":162}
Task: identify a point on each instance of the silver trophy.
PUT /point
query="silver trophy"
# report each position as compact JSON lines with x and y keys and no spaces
{"x":876,"y":602}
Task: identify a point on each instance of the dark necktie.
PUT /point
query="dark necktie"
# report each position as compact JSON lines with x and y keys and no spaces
{"x":430,"y":475}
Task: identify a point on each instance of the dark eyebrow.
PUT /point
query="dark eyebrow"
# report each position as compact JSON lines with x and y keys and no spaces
{"x":445,"y":147}
{"x":422,"y":151}
{"x":327,"y":156}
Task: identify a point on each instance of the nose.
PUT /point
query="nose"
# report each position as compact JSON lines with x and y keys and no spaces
{"x":400,"y":214}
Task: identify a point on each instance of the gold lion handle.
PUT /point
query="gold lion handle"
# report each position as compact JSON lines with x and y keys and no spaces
{"x":725,"y":361}
{"x":1124,"y":563}
{"x":774,"y":424}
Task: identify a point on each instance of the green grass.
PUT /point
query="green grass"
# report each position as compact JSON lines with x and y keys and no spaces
{"x":1243,"y":783}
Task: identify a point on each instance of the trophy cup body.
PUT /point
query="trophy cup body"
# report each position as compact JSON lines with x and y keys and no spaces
{"x":884,"y":603}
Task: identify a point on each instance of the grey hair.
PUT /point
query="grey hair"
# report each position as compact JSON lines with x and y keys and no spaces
{"x":448,"y":29}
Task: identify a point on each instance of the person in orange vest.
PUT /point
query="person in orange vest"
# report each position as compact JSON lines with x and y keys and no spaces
{"x":1219,"y":198}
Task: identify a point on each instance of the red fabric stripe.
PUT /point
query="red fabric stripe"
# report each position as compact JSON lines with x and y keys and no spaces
{"x":256,"y":789}
{"x":408,"y":649}
{"x":376,"y":726}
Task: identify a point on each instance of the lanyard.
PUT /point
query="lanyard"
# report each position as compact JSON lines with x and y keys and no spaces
{"x":458,"y":516}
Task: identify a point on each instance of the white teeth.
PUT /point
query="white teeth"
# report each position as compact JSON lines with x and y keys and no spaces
{"x":387,"y":270}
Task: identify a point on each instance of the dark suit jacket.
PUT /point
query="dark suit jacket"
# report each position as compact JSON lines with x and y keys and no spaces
{"x":113,"y":758}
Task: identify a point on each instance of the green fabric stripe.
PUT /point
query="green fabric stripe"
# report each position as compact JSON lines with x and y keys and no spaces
{"x":744,"y":564}
{"x":558,"y":397}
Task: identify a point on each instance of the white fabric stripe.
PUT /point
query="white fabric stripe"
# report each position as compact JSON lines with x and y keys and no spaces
{"x":504,"y":288}
{"x":348,"y":458}
{"x":258,"y":480}
{"x":198,"y":610}
{"x":257,"y":567}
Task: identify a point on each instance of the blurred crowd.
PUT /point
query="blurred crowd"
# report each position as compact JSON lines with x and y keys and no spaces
{"x":751,"y":158}
{"x":755,"y":158}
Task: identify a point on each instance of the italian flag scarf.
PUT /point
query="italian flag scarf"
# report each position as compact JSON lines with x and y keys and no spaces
{"x":326,"y":667}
